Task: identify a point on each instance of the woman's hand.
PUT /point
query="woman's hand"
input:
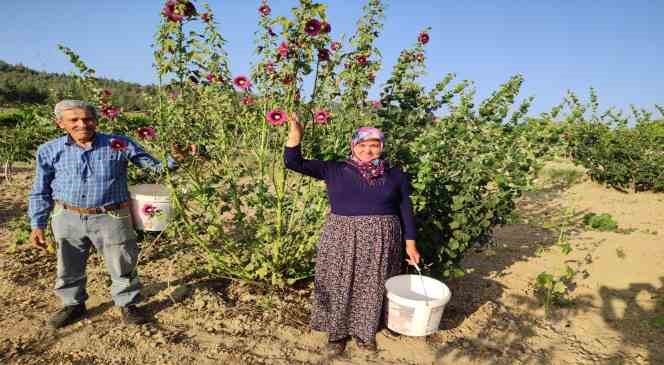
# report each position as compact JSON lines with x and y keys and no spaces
{"x":413,"y":254}
{"x":296,"y":130}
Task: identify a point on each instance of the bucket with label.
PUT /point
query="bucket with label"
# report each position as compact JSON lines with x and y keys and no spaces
{"x":150,"y":206}
{"x":415,"y":304}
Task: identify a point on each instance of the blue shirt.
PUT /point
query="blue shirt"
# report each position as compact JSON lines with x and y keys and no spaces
{"x":84,"y":177}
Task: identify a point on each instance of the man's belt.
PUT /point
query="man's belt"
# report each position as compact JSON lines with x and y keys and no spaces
{"x":104,"y":209}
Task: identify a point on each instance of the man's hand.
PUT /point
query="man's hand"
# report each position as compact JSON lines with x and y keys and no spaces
{"x":37,"y":238}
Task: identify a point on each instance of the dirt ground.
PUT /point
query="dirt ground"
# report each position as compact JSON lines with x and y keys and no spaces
{"x":615,"y":313}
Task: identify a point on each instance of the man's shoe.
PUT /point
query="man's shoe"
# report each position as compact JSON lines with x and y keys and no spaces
{"x":67,"y":315}
{"x":133,"y":315}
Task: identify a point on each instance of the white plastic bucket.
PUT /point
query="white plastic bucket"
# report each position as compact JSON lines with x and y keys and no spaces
{"x":415,"y":304}
{"x":150,"y":206}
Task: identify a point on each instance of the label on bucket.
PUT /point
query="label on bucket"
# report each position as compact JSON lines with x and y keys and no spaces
{"x":434,"y":318}
{"x":399,"y":317}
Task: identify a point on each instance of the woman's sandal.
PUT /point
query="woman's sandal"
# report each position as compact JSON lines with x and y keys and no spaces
{"x":367,"y":345}
{"x":336,"y":347}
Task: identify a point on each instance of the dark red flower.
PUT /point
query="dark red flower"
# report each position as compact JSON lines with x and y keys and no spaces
{"x":423,"y":38}
{"x":247,"y":100}
{"x":193,"y":79}
{"x":283,"y":49}
{"x":287,"y":80}
{"x":264,"y":10}
{"x":269,"y":67}
{"x":271,"y":32}
{"x":420,"y":57}
{"x":335,"y":46}
{"x":361,"y":59}
{"x":323,"y":54}
{"x":176,"y":10}
{"x":325,"y":27}
{"x":242,"y":82}
{"x":276,"y":117}
{"x":110,"y":112}
{"x":371,"y":77}
{"x":146,"y":132}
{"x":312,"y":27}
{"x":118,"y":144}
{"x":322,"y":116}
{"x":211,"y":77}
{"x":206,"y":17}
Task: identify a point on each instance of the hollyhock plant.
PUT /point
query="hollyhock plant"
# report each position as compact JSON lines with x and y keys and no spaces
{"x":423,"y":38}
{"x":118,"y":144}
{"x":361,"y":59}
{"x":276,"y":117}
{"x":146,"y":133}
{"x":323,"y":54}
{"x":420,"y":57}
{"x":322,"y":116}
{"x":335,"y":46}
{"x":325,"y":27}
{"x":149,"y":210}
{"x":283,"y":49}
{"x":269,"y":67}
{"x":242,"y":82}
{"x":174,"y":14}
{"x":206,"y":17}
{"x":210,"y":77}
{"x":264,"y":10}
{"x":312,"y":27}
{"x":271,"y":32}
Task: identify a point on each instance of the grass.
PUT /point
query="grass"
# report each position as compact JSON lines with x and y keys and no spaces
{"x":600,"y":222}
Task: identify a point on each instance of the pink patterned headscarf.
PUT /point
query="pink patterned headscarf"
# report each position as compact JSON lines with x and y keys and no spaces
{"x":370,"y":170}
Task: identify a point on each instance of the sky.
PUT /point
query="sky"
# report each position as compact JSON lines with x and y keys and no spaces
{"x":617,"y":47}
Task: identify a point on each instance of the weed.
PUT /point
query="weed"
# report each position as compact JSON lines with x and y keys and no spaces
{"x":600,"y":222}
{"x":620,"y":253}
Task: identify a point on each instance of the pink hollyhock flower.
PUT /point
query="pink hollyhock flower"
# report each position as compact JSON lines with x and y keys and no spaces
{"x":276,"y":117}
{"x":146,"y":132}
{"x":242,"y":82}
{"x":210,"y":77}
{"x":173,"y":95}
{"x":206,"y":17}
{"x":375,"y":104}
{"x":323,"y":54}
{"x":325,"y":27}
{"x":174,"y":14}
{"x":247,"y":100}
{"x":322,"y":116}
{"x":269,"y":67}
{"x":312,"y":27}
{"x":335,"y":46}
{"x":283,"y":49}
{"x":149,"y":210}
{"x":110,"y":112}
{"x":423,"y":38}
{"x":264,"y":10}
{"x":118,"y":144}
{"x":361,"y":59}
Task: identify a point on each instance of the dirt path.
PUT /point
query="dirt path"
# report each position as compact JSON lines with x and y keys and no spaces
{"x":493,"y":318}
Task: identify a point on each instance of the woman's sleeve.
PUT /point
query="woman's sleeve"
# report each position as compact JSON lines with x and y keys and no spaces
{"x":406,"y":208}
{"x":314,"y":168}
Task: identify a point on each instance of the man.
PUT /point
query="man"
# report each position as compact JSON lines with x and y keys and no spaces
{"x":82,"y":179}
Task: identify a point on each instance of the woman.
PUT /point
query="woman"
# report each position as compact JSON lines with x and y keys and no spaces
{"x":362,"y":242}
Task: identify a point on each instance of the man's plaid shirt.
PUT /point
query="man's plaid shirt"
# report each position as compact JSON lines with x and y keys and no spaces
{"x":88,"y":178}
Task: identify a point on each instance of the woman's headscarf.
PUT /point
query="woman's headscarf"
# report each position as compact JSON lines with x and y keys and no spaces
{"x":369,"y":170}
